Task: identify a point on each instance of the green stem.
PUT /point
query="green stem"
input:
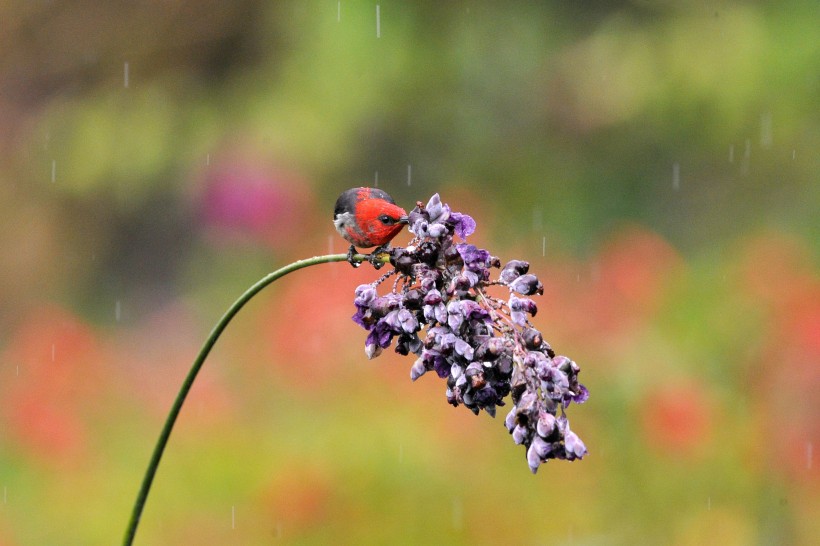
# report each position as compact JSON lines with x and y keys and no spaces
{"x":148,"y":479}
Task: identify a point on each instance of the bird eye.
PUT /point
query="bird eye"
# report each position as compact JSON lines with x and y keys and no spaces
{"x":387,"y":220}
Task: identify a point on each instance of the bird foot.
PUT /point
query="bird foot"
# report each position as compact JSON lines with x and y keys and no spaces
{"x":350,"y":253}
{"x":373,"y":257}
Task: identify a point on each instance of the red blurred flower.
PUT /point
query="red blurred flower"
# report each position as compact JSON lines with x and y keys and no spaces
{"x":155,"y":354}
{"x":309,"y":325}
{"x":778,"y":277}
{"x":634,"y":269}
{"x":612,"y":294}
{"x":299,"y":499}
{"x":53,"y":373}
{"x":677,"y":419}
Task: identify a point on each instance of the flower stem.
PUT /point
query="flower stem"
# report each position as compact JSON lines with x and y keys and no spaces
{"x":159,"y":448}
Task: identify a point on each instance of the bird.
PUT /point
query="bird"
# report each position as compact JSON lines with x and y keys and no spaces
{"x":368,"y":217}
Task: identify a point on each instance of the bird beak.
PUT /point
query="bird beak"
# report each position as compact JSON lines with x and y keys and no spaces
{"x":404,"y":219}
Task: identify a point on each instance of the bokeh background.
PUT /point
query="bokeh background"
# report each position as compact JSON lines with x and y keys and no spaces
{"x":656,"y":161}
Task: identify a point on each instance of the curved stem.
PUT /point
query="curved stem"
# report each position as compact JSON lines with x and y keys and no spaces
{"x":148,"y":479}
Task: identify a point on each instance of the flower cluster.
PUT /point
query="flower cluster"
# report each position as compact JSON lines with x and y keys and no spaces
{"x":441,"y":309}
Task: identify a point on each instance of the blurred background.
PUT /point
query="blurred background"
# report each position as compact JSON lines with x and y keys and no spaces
{"x":656,"y":161}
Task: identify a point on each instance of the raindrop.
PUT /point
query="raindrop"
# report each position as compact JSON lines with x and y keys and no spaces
{"x":458,"y":514}
{"x":18,"y":370}
{"x":5,"y":494}
{"x":53,"y":170}
{"x":125,"y":74}
{"x":536,"y":219}
{"x":52,"y":352}
{"x":378,"y":22}
{"x":766,"y":130}
{"x":117,"y":311}
{"x":809,"y":454}
{"x":233,"y":517}
{"x":732,"y":153}
{"x":338,"y":11}
{"x":676,"y":176}
{"x":278,"y":529}
{"x":208,"y":159}
{"x":409,"y":173}
{"x":747,"y":154}
{"x":331,"y":249}
{"x":794,"y":153}
{"x":544,"y":245}
{"x":376,"y":181}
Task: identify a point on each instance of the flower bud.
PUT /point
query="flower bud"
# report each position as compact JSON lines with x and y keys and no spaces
{"x":372,"y":351}
{"x":519,"y":434}
{"x":527,"y":285}
{"x":512,"y":270}
{"x":509,"y":420}
{"x":417,"y":369}
{"x":532,"y":338}
{"x":574,"y":446}
{"x":545,"y":425}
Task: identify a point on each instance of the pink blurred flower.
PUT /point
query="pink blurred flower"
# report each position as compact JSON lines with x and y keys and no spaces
{"x":250,"y":199}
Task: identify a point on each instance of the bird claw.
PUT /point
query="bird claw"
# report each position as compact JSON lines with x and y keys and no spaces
{"x":351,"y":252}
{"x":373,"y":257}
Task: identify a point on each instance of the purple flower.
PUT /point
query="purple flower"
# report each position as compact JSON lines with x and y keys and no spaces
{"x":379,"y":338}
{"x":485,"y":348}
{"x":365,"y":294}
{"x":464,"y":349}
{"x":519,"y":308}
{"x":418,"y":369}
{"x":463,"y":224}
{"x":527,"y":285}
{"x":581,"y":396}
{"x":436,"y":211}
{"x":574,"y":446}
{"x":513,"y":270}
{"x":474,"y":258}
{"x":401,"y":321}
{"x":545,"y":425}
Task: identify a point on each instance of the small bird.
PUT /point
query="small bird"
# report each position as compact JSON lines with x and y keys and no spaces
{"x":367,"y":217}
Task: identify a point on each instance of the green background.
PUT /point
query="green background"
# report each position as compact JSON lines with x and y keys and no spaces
{"x":656,"y":162}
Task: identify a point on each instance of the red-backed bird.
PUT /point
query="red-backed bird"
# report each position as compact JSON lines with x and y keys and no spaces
{"x":368,"y":217}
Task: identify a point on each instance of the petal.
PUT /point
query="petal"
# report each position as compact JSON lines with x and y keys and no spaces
{"x":574,"y":446}
{"x":417,"y":369}
{"x":519,"y":434}
{"x":533,"y":459}
{"x":372,"y":351}
{"x":545,"y":425}
{"x":464,"y":224}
